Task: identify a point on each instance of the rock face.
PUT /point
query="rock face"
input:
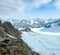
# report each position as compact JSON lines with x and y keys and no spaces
{"x":13,"y":46}
{"x":10,"y":29}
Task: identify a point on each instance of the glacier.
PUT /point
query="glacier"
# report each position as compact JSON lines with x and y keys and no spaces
{"x":45,"y":41}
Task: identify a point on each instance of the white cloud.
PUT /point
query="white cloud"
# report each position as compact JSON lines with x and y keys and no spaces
{"x":38,"y":3}
{"x":21,"y":5}
{"x":57,"y":4}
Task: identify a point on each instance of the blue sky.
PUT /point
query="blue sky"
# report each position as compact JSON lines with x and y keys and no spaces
{"x":30,"y":8}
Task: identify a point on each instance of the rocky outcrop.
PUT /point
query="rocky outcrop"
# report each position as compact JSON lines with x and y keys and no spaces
{"x":10,"y":29}
{"x":10,"y":45}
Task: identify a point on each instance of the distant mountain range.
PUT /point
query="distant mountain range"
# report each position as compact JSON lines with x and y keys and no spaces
{"x":34,"y":23}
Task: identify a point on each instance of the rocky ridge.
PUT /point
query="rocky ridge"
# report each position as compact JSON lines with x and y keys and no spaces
{"x":11,"y":42}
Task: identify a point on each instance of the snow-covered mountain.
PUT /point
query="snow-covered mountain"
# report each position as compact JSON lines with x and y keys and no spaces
{"x":27,"y":23}
{"x":44,"y":36}
{"x":45,"y":41}
{"x":35,"y":23}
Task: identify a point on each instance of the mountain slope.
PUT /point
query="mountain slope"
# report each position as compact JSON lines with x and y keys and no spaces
{"x":12,"y":45}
